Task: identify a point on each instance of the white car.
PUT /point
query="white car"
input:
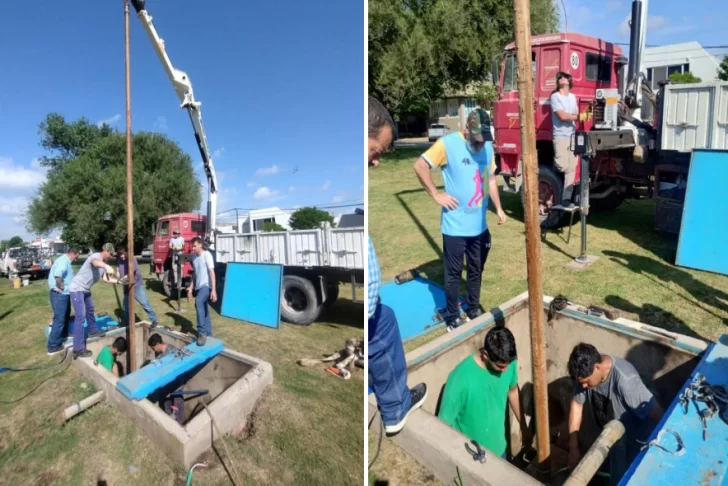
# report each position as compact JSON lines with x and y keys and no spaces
{"x":436,"y":131}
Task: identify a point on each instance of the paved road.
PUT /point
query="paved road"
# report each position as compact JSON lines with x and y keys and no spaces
{"x":413,"y":143}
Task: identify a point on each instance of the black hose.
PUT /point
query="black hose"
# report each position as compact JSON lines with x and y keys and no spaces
{"x":42,"y":367}
{"x":381,"y":434}
{"x":10,"y":402}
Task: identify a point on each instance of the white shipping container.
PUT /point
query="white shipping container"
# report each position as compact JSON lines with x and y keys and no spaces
{"x":695,"y":116}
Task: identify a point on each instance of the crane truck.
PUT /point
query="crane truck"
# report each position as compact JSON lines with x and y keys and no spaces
{"x":315,"y":261}
{"x":633,"y":132}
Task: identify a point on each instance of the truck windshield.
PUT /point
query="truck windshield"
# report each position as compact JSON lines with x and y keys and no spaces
{"x":510,"y":74}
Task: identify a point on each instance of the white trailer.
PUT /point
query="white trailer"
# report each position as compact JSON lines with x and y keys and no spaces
{"x":315,"y":263}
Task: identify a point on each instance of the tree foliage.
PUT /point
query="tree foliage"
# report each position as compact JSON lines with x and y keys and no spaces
{"x":417,"y":47}
{"x":85,"y":192}
{"x":684,"y":78}
{"x":309,"y":218}
{"x":268,"y":227}
{"x":723,"y":69}
{"x":15,"y":242}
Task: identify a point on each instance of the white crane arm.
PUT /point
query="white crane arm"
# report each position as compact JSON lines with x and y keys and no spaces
{"x":183,"y":88}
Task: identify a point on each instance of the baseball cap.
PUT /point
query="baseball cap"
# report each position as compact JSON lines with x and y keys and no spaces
{"x":175,"y":232}
{"x":479,"y":125}
{"x":108,"y":247}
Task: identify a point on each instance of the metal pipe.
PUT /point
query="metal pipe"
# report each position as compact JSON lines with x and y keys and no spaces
{"x":634,"y":41}
{"x":129,"y":197}
{"x":533,"y":227}
{"x":79,"y":407}
{"x":584,"y":202}
{"x":595,"y":456}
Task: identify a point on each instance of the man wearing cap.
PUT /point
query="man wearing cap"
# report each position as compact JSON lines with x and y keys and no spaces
{"x":466,"y":160}
{"x":140,"y":293}
{"x":177,"y":245}
{"x":91,"y":271}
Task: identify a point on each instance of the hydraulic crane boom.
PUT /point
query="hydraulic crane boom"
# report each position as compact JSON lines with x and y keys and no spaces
{"x":183,"y":87}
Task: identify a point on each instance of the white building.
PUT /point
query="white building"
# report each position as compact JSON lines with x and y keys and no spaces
{"x":253,"y":221}
{"x":49,"y":246}
{"x":661,"y":62}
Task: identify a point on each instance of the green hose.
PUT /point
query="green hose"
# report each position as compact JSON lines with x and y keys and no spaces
{"x":189,"y":478}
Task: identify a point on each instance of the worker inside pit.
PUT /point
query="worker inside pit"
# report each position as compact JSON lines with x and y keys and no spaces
{"x":479,"y":389}
{"x":107,"y":356}
{"x":564,"y":114}
{"x":171,"y":399}
{"x":614,"y":390}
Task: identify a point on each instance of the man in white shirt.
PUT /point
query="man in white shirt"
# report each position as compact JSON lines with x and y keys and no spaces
{"x":177,"y":245}
{"x":564,"y":114}
{"x":203,"y":287}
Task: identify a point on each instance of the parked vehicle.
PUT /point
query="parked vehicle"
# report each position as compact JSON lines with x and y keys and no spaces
{"x":24,"y":261}
{"x":436,"y":131}
{"x":632,"y":132}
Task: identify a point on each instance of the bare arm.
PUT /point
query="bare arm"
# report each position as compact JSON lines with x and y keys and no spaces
{"x":563,"y":116}
{"x":59,"y":283}
{"x":422,"y":169}
{"x":115,"y":370}
{"x":575,"y":413}
{"x":514,"y":400}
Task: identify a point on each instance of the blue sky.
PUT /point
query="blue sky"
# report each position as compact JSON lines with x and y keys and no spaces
{"x":669,"y":21}
{"x":281,"y":86}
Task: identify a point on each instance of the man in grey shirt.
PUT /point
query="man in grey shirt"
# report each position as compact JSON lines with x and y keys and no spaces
{"x":614,"y":390}
{"x":94,"y":268}
{"x":203,"y":287}
{"x":564,"y":114}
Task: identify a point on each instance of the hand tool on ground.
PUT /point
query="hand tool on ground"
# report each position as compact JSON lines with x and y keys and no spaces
{"x":477,"y":452}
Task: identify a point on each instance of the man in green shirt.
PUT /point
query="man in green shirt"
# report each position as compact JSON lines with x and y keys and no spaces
{"x":476,"y":392}
{"x":107,"y":356}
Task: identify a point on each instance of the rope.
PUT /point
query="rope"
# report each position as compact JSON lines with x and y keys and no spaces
{"x":230,"y":456}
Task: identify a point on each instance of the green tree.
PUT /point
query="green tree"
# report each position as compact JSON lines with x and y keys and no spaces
{"x":85,"y":191}
{"x":268,"y":227}
{"x":417,"y":47}
{"x":15,"y":241}
{"x":309,"y":218}
{"x":684,"y":78}
{"x":723,"y":69}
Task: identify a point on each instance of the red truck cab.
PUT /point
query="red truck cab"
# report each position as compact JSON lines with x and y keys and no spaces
{"x":189,"y":225}
{"x":593,"y":63}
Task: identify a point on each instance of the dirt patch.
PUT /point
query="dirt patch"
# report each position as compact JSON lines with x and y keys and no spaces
{"x":250,"y":428}
{"x":707,"y":477}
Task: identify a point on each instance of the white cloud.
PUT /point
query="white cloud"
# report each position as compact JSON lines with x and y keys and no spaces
{"x":341,"y":196}
{"x":326,"y":186}
{"x":19,"y":179}
{"x":160,"y":124}
{"x":13,"y":206}
{"x":291,"y":189}
{"x":216,"y":154}
{"x":112,"y":120}
{"x":35,"y":164}
{"x":252,"y":184}
{"x":265,"y":193}
{"x":658,"y":24}
{"x":18,"y":219}
{"x":265,"y":171}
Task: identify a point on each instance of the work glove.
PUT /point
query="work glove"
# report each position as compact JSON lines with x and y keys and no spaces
{"x":584,"y":116}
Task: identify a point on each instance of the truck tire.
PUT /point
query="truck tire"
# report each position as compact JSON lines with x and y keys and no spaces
{"x":299,"y":302}
{"x":169,"y":291}
{"x":332,"y":294}
{"x":550,"y":190}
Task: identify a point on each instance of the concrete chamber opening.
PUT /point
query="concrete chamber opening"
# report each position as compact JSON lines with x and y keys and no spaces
{"x":235,"y":383}
{"x":663,"y":360}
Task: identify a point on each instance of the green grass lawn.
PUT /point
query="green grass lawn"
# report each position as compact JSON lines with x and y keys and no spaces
{"x":635,"y":272}
{"x":307,"y":429}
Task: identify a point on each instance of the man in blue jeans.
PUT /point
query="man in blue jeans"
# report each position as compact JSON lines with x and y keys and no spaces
{"x":203,"y":288}
{"x":59,"y":280}
{"x":140,"y":293}
{"x":91,"y":271}
{"x":385,"y":354}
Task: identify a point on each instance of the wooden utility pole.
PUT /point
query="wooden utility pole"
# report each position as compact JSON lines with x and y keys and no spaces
{"x":129,"y":201}
{"x":533,"y":240}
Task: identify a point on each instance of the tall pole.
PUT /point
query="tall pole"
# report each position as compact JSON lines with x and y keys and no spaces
{"x":533,"y":242}
{"x":129,"y":199}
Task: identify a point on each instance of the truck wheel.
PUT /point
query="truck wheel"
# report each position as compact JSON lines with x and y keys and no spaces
{"x":299,"y":303}
{"x":550,"y":190}
{"x":169,"y":291}
{"x":332,"y":294}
